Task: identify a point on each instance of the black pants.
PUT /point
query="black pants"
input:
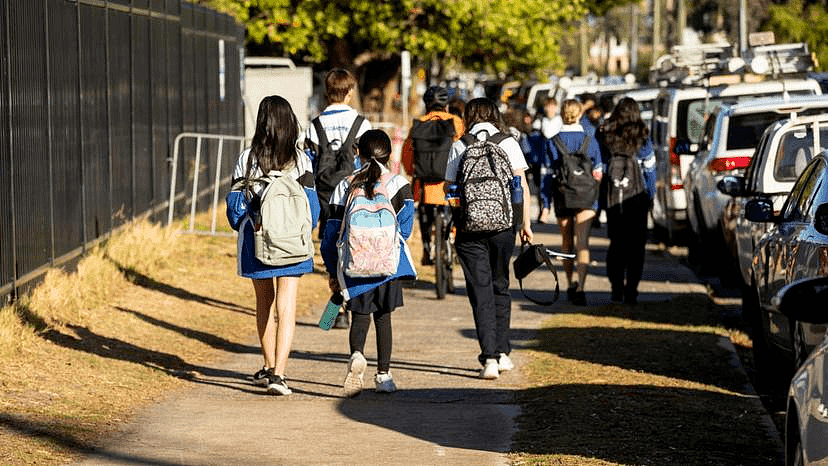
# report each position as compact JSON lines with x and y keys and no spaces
{"x":627,"y":231}
{"x":379,"y":302}
{"x":426,"y":214}
{"x":485,"y":262}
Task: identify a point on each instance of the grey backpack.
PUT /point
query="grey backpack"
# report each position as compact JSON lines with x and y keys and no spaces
{"x":484,"y":177}
{"x":282,"y":228}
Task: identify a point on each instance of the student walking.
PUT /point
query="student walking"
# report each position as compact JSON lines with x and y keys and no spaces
{"x":629,"y":187}
{"x":485,"y":253}
{"x":329,"y":142}
{"x":424,"y":157}
{"x":374,"y":294}
{"x":575,"y":159}
{"x":274,"y":151}
{"x":545,"y":127}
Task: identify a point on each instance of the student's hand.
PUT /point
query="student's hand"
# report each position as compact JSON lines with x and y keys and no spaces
{"x":333,"y":284}
{"x":526,"y":233}
{"x":597,"y":174}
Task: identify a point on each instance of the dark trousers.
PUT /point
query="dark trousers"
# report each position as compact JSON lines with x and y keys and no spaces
{"x":627,"y":231}
{"x":426,"y":214}
{"x":485,"y":262}
{"x":359,"y":332}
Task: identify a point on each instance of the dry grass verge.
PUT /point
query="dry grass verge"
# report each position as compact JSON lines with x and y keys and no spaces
{"x":142,"y":314}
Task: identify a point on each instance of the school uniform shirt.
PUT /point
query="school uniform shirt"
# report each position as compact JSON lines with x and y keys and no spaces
{"x":403,"y":202}
{"x":240,"y":219}
{"x":481,"y":131}
{"x":336,"y":120}
{"x":548,"y":126}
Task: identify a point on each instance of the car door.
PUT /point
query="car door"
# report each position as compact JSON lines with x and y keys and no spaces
{"x":744,"y":239}
{"x":781,"y":246}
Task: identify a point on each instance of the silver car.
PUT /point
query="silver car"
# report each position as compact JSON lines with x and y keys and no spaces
{"x":727,"y":145}
{"x":806,"y":413}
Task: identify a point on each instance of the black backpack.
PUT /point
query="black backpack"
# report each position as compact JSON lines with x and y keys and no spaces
{"x":431,"y":142}
{"x":624,"y":180}
{"x":577,"y":188}
{"x":334,"y":164}
{"x":484,"y":177}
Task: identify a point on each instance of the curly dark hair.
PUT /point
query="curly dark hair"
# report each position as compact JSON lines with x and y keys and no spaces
{"x":624,"y":131}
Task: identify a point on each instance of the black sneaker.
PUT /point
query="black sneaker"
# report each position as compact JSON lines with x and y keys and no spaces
{"x":617,"y":297}
{"x":571,"y":292}
{"x":276,"y":385}
{"x":579,"y":298}
{"x":260,"y":378}
{"x":341,"y":320}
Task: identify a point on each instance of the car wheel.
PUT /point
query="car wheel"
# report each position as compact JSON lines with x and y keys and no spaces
{"x":794,"y":454}
{"x":770,"y":379}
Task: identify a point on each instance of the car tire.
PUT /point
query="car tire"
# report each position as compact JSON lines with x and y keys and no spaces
{"x":768,"y":364}
{"x":794,"y":453}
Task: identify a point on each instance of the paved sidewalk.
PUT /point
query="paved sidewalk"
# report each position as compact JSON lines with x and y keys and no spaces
{"x":442,"y":414}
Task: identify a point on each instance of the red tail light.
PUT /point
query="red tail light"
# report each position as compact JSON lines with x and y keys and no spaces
{"x":675,"y":167}
{"x":729,"y":163}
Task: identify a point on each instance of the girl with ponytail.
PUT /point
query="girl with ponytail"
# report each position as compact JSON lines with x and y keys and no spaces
{"x":370,"y":296}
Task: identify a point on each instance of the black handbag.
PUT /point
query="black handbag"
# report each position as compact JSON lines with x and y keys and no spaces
{"x":529,"y":259}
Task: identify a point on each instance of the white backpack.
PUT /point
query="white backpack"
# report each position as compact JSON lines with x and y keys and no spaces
{"x":283,"y":226}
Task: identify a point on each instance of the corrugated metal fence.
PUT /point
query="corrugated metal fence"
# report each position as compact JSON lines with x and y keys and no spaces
{"x":93,"y":94}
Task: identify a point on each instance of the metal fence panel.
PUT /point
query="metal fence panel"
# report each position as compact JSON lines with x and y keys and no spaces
{"x":160,"y":107}
{"x":29,"y":146}
{"x":94,"y":127}
{"x":6,"y":230}
{"x":64,"y":119}
{"x":120,"y":116}
{"x":142,"y":113}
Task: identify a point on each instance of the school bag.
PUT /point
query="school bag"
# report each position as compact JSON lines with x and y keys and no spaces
{"x":431,"y":142}
{"x":282,"y":226}
{"x":576,"y":187}
{"x":369,"y":243}
{"x":484,"y":177}
{"x":334,"y":164}
{"x":624,"y":180}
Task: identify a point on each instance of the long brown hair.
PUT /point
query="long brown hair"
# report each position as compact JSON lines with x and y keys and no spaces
{"x":482,"y":110}
{"x":624,"y":131}
{"x":274,"y":142}
{"x":374,"y":149}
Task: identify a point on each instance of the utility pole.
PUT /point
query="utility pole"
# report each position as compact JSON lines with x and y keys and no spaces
{"x":743,"y":33}
{"x":633,"y":38}
{"x":682,"y":20}
{"x":584,"y":45}
{"x":656,"y":29}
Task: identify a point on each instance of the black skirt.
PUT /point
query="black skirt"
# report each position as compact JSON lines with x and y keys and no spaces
{"x":384,"y":298}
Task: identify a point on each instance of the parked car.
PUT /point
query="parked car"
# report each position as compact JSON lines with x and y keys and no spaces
{"x":806,"y":412}
{"x":646,"y":99}
{"x":681,"y":114}
{"x":604,"y":89}
{"x":784,"y":150}
{"x":726,"y":147}
{"x":795,"y":248}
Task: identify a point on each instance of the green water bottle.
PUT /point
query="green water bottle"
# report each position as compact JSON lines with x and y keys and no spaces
{"x":331,"y":311}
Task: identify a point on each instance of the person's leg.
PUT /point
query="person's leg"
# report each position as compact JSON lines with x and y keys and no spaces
{"x":425,"y":215}
{"x":382,"y":325}
{"x":567,"y":246}
{"x":264,"y":320}
{"x":583,"y":223}
{"x":637,"y":235}
{"x":474,"y":259}
{"x":501,"y":247}
{"x":286,"y":314}
{"x":615,"y":253}
{"x":360,"y":323}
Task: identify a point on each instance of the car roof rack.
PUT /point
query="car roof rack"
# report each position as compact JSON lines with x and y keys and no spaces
{"x":688,"y":65}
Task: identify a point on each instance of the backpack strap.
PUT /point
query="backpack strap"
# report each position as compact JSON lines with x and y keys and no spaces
{"x":541,"y":250}
{"x":351,"y":138}
{"x":468,"y":139}
{"x":498,"y":137}
{"x":584,"y":145}
{"x":320,"y":132}
{"x":560,"y":145}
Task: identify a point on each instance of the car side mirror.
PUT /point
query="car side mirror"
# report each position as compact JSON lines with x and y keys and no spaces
{"x":732,"y":186}
{"x":799,"y":299}
{"x":821,"y":219}
{"x":759,"y":210}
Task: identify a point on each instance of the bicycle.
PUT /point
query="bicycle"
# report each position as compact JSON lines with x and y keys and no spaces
{"x":443,"y":241}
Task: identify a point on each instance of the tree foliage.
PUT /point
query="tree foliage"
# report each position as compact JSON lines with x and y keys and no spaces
{"x":797,"y":21}
{"x":492,"y":35}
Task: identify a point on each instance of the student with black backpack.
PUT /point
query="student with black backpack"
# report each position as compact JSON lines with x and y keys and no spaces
{"x":482,"y":165}
{"x":627,"y":193}
{"x":425,"y":156}
{"x":574,"y":158}
{"x":330,"y":140}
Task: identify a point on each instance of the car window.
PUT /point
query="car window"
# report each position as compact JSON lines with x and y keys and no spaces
{"x":794,"y":152}
{"x":756,"y":159}
{"x":744,"y":131}
{"x":794,"y":207}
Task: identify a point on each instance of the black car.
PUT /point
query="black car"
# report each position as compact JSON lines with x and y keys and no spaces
{"x":795,"y":248}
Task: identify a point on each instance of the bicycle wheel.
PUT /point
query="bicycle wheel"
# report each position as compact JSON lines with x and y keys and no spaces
{"x":450,"y":254}
{"x":441,"y":278}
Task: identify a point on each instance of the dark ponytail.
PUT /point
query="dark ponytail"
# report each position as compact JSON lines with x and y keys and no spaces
{"x":274,"y":142}
{"x":374,"y":149}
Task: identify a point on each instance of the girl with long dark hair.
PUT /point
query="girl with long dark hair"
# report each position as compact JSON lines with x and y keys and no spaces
{"x":274,"y":147}
{"x":625,"y":134}
{"x":370,"y":296}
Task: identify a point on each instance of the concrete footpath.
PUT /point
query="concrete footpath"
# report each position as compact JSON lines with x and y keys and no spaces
{"x":442,"y":413}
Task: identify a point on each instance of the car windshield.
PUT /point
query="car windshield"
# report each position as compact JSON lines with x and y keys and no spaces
{"x":692,"y":114}
{"x":744,"y":131}
{"x":795,"y":151}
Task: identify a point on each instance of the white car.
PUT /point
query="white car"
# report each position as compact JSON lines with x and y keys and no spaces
{"x":681,"y":114}
{"x":806,"y":411}
{"x":784,"y":150}
{"x":646,"y":100}
{"x":726,"y":147}
{"x":572,"y":88}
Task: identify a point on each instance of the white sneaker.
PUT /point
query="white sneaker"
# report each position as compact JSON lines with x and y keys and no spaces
{"x":504,"y":363}
{"x":490,"y":370}
{"x":385,"y":384}
{"x":356,"y":369}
